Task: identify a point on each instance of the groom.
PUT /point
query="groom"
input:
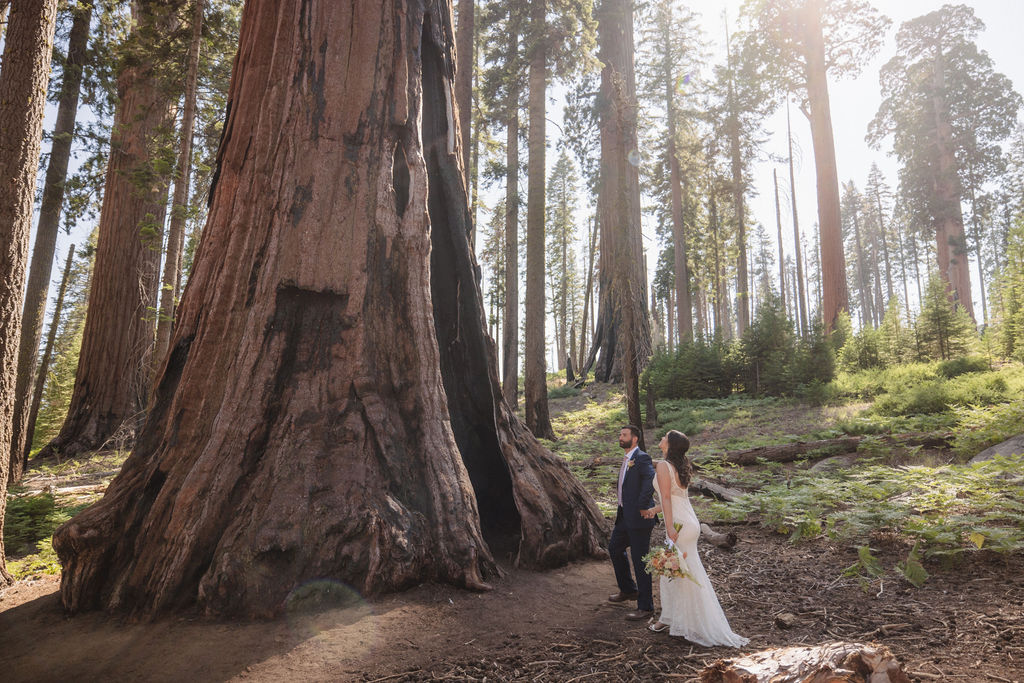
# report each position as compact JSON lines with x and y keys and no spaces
{"x":636,"y":489}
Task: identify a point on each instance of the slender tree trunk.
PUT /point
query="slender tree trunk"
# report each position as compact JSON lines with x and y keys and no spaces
{"x":329,"y":413}
{"x":917,"y":269}
{"x":27,"y":52}
{"x":670,"y":320}
{"x":833,"y":264}
{"x":742,"y":280}
{"x":535,"y":389}
{"x":587,"y":296}
{"x":112,"y":380}
{"x":804,"y":323}
{"x":721,"y":323}
{"x":866,"y":316}
{"x":563,"y":305}
{"x":885,"y":245}
{"x":44,"y":361}
{"x":46,"y":236}
{"x":950,"y":241}
{"x":619,"y":204}
{"x":903,"y":270}
{"x":976,"y":229}
{"x":782,"y":261}
{"x":169,"y":292}
{"x":684,"y":316}
{"x":510,"y":335}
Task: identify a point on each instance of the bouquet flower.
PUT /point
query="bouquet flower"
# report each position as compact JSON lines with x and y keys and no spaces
{"x":668,"y":561}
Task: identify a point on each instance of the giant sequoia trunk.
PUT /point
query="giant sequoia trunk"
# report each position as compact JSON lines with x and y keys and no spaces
{"x":621,"y":283}
{"x":46,"y":236}
{"x":113,"y":375}
{"x":950,"y":241}
{"x":833,"y":263}
{"x":330,"y":406}
{"x":26,"y":68}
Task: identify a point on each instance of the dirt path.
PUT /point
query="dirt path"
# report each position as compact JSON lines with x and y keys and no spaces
{"x":964,"y":625}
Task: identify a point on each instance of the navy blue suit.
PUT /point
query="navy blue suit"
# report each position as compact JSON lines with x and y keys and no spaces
{"x":633,"y":531}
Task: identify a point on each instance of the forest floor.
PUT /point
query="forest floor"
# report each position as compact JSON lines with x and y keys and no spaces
{"x":965,"y":623}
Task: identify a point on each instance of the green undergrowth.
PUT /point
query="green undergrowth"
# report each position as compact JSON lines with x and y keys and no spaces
{"x":33,"y":515}
{"x":28,"y":529}
{"x":945,"y":511}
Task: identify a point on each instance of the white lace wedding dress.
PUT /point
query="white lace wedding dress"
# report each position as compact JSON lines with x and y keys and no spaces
{"x":690,"y":609}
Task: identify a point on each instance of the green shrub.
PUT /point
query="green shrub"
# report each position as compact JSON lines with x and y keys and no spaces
{"x":862,"y":351}
{"x":29,"y":519}
{"x":564,"y":391}
{"x":695,"y":370}
{"x":923,"y":398}
{"x":962,"y":366}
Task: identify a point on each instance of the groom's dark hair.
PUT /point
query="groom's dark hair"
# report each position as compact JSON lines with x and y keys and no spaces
{"x":634,"y":429}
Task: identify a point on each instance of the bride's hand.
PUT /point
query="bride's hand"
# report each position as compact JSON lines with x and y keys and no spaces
{"x":648,"y":514}
{"x":672,"y":534}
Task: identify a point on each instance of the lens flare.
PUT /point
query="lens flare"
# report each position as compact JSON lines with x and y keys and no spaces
{"x":634,"y":158}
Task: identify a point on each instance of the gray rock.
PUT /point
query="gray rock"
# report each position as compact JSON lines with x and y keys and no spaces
{"x":1012,"y":446}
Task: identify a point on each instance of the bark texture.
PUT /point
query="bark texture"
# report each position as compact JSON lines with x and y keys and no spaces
{"x":46,"y":236}
{"x":26,"y":68}
{"x":464,"y":82}
{"x":833,"y":263}
{"x":112,"y":381}
{"x":330,"y":407}
{"x":621,"y":284}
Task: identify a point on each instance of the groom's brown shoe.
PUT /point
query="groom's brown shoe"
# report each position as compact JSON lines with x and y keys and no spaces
{"x":622,"y":597}
{"x":640,"y":615}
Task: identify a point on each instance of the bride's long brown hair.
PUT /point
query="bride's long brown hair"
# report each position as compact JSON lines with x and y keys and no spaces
{"x":678,"y":444}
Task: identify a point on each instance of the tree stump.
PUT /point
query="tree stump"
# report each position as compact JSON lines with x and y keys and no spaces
{"x":840,"y":662}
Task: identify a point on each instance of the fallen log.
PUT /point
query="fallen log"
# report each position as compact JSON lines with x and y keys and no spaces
{"x":713,"y":490}
{"x":824,"y":448}
{"x":725,"y":541}
{"x":840,"y":662}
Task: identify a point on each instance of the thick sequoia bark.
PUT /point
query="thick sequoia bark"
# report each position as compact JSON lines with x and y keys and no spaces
{"x":112,"y":381}
{"x":621,"y":283}
{"x":330,"y":403}
{"x":833,"y":263}
{"x":46,"y":236}
{"x":464,"y":37}
{"x":26,"y":68}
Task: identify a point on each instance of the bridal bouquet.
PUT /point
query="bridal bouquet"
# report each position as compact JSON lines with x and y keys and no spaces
{"x":668,"y":561}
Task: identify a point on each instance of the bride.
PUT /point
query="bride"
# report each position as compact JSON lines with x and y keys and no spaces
{"x":688,"y":608}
